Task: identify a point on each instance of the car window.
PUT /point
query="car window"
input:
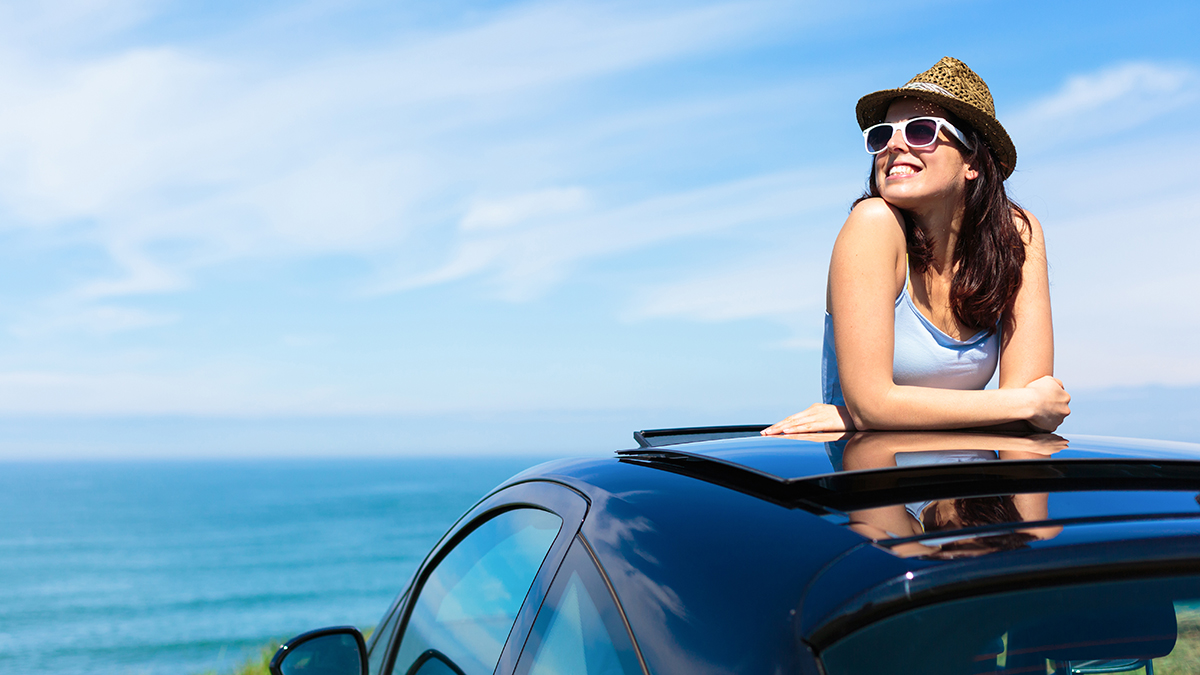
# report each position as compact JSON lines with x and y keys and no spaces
{"x":579,"y":629}
{"x":467,"y":605}
{"x":1130,"y":626}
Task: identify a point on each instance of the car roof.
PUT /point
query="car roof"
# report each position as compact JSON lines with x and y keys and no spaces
{"x":769,"y":517}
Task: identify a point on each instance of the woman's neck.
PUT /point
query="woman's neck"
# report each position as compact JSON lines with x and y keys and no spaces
{"x":941,"y":224}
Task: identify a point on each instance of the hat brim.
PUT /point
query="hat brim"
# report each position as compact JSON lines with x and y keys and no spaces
{"x":872,"y":108}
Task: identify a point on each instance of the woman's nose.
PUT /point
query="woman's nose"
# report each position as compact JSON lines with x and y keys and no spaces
{"x":896,"y":142}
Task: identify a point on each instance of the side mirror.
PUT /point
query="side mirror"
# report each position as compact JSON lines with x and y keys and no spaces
{"x":327,"y":651}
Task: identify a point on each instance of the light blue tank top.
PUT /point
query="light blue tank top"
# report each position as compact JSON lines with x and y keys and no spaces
{"x":924,"y":356}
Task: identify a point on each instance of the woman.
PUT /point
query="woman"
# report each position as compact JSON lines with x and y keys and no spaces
{"x":937,"y":276}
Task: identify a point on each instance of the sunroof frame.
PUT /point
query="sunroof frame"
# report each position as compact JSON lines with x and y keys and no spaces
{"x":855,"y":490}
{"x":654,"y":438}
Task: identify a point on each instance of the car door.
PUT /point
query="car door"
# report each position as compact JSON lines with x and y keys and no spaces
{"x":474,"y":599}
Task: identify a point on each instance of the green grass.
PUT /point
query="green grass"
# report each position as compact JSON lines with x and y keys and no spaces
{"x":257,"y":664}
{"x":1185,"y":658}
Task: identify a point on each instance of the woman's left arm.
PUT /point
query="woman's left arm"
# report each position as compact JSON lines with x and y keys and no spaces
{"x":1027,"y":337}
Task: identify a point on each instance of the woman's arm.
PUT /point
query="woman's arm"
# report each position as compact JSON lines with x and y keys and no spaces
{"x":872,"y":244}
{"x":866,"y":273}
{"x":1027,"y":347}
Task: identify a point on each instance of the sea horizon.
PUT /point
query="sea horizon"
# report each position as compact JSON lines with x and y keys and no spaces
{"x":153,"y":566}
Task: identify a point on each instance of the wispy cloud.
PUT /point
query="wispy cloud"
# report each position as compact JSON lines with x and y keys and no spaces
{"x":142,"y":275}
{"x":346,"y":153}
{"x":1104,"y":103}
{"x":59,"y":28}
{"x":523,"y":261}
{"x":91,"y":319}
{"x":785,"y":287}
{"x":783,"y":282}
{"x":523,"y":209}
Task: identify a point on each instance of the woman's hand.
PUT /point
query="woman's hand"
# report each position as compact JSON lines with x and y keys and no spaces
{"x":818,"y":417}
{"x":1050,"y":403}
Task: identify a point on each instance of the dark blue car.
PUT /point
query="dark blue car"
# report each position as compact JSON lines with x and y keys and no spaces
{"x":717,"y":550}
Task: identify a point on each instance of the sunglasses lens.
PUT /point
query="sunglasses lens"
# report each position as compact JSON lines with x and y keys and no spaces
{"x":878,"y":137}
{"x":920,"y":133}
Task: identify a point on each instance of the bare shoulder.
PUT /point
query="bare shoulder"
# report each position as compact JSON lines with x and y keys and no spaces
{"x":870,"y":248}
{"x":876,"y":211}
{"x":1031,"y":231}
{"x":877,"y":221}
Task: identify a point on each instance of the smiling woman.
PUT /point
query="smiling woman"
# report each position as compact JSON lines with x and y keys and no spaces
{"x":937,"y":277}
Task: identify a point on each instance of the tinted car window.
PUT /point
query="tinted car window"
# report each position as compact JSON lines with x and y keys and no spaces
{"x":579,"y":628}
{"x":467,"y":605}
{"x":1141,"y":625}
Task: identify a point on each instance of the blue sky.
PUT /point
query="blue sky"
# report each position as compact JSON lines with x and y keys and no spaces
{"x":377,"y":227}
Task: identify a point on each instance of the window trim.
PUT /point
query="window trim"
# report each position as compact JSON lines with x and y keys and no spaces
{"x":379,"y":632}
{"x":561,"y":500}
{"x":582,"y":542}
{"x":617,"y":601}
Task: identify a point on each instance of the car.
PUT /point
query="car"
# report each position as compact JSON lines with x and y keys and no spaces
{"x":718,"y":550}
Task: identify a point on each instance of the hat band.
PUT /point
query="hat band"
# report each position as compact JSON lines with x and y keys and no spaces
{"x":928,"y":86}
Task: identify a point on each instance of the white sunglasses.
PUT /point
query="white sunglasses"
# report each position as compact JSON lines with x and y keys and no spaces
{"x":919,"y":132}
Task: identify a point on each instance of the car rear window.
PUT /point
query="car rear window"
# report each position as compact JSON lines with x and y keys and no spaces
{"x":1136,"y":626}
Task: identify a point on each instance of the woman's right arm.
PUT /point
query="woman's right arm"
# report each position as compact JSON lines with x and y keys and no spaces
{"x":870,"y":252}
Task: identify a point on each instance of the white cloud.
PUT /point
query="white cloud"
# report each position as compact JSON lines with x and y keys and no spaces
{"x":91,"y":319}
{"x":53,"y":26}
{"x":148,"y":131}
{"x":1091,"y":92}
{"x":549,"y":43}
{"x":345,"y":153}
{"x":524,"y":262}
{"x":783,"y":281}
{"x":782,"y":287}
{"x":523,"y":208}
{"x":142,"y":275}
{"x":1102,"y":104}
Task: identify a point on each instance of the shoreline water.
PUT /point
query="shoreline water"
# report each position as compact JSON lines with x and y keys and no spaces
{"x":155,"y":567}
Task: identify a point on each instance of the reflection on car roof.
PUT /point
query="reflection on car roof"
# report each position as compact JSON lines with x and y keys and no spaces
{"x":1093,"y":481}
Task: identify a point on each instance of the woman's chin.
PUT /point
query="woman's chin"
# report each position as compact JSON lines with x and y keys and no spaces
{"x":901,"y":199}
{"x":911,"y":194}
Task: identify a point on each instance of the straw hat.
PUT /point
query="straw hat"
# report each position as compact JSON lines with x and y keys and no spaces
{"x":955,"y":87}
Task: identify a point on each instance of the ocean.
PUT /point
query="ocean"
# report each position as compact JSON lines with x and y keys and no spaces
{"x":181,"y":568}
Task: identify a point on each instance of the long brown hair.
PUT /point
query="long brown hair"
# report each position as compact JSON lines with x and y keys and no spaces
{"x":990,"y":250}
{"x":974,"y":512}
